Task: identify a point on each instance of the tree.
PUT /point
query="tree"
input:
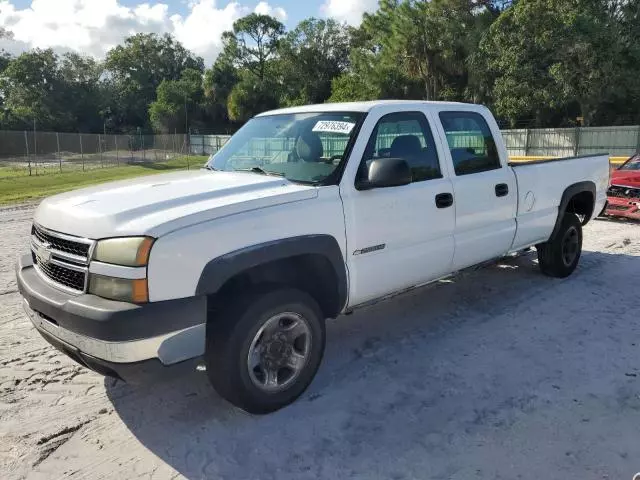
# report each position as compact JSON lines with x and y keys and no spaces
{"x":177,"y":101}
{"x":536,"y":62}
{"x":219,"y":81}
{"x":138,"y":67}
{"x":429,"y":41}
{"x":248,"y":57}
{"x":253,"y":42}
{"x":250,"y":97}
{"x":350,"y":88}
{"x":373,"y":72}
{"x":5,"y":58}
{"x":310,"y":57}
{"x":553,"y":60}
{"x":32,"y":88}
{"x":418,"y":49}
{"x":83,"y":92}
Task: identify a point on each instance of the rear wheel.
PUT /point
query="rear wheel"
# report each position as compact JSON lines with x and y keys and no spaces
{"x":265,"y":348}
{"x":559,"y":256}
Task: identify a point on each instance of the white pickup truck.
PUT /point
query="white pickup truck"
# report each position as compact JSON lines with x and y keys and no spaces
{"x":305,"y":214}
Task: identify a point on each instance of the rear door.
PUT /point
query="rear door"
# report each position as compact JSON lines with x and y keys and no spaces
{"x":397,"y":237}
{"x":484,"y":186}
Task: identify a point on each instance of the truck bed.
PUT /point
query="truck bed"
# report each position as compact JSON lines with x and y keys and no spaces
{"x":541,"y":185}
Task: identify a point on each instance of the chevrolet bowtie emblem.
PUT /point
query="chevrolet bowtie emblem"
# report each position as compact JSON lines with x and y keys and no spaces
{"x":43,"y":253}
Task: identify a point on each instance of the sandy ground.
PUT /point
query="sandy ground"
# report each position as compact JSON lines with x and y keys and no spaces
{"x":500,"y":374}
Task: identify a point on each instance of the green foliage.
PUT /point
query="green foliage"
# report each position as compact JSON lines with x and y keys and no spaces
{"x":242,"y":79}
{"x":138,"y":68}
{"x":82,"y":92}
{"x":32,"y":88}
{"x":5,"y":58}
{"x":176,"y":101}
{"x":219,"y":81}
{"x":350,"y":88}
{"x":553,"y":60}
{"x":253,"y":42}
{"x":310,"y":57}
{"x":251,"y":96}
{"x":535,"y":62}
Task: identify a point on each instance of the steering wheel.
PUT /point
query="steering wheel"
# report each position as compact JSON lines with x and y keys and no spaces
{"x":333,"y":158}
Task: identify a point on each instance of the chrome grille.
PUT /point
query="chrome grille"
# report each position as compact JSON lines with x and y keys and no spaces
{"x":61,"y":259}
{"x":64,"y":276}
{"x":621,"y":191}
{"x":63,"y":244}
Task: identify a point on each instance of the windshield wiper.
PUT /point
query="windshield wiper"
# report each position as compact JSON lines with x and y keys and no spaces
{"x":261,"y":171}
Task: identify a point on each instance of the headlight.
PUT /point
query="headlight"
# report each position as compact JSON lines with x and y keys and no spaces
{"x":126,"y":251}
{"x":122,"y":289}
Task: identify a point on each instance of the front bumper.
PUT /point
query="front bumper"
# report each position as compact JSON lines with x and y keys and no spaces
{"x":623,"y":207}
{"x":114,"y":338}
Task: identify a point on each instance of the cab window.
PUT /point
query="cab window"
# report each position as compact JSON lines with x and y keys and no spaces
{"x":404,"y":135}
{"x":472,"y":146}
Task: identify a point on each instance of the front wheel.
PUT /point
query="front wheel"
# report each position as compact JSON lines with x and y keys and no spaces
{"x":265,"y":348}
{"x":559,"y":256}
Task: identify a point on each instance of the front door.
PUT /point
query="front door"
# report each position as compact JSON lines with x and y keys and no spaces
{"x":399,"y":237}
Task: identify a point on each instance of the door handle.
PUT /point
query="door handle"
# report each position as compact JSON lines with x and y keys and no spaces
{"x":444,"y":200}
{"x":502,"y":190}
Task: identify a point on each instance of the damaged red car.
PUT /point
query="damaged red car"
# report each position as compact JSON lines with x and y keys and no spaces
{"x":623,"y":196}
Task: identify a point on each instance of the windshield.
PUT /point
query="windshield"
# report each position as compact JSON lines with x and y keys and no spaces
{"x":632,"y":164}
{"x":302,"y":147}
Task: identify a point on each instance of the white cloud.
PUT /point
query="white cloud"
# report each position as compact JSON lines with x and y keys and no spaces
{"x":94,"y":26}
{"x":349,"y":11}
{"x":200,"y":31}
{"x":265,"y":9}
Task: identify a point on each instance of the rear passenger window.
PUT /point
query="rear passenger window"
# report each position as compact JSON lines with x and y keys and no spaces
{"x":471,"y":143}
{"x":405,"y":135}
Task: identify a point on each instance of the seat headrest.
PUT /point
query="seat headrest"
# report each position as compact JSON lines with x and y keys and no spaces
{"x":309,"y":147}
{"x":405,"y":145}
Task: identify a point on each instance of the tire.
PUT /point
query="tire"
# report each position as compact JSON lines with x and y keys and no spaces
{"x":262,"y":323}
{"x":559,"y":256}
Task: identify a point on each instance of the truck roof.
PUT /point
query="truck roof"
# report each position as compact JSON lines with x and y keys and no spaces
{"x":357,"y":106}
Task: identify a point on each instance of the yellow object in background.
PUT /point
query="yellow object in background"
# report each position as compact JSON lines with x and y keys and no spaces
{"x":521,"y":158}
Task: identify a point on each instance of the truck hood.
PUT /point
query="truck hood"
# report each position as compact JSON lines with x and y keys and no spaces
{"x":628,"y":178}
{"x":158,"y":204}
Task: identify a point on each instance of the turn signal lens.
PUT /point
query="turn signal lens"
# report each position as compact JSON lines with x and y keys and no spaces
{"x":140,"y":290}
{"x":121,"y":289}
{"x":144,"y":250}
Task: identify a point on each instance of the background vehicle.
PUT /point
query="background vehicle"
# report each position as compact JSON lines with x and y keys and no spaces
{"x":306,"y":213}
{"x":623,"y":196}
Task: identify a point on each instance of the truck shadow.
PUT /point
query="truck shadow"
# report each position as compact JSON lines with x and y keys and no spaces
{"x":413,"y":387}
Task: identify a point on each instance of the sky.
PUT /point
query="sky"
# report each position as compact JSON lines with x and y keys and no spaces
{"x":92,"y":27}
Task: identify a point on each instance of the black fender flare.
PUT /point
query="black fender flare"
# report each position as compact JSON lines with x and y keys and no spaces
{"x":219,"y":270}
{"x":567,"y":195}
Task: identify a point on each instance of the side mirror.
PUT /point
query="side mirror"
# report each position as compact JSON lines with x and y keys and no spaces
{"x":385,"y":172}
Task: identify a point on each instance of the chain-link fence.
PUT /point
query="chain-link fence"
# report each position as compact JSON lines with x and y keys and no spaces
{"x":565,"y":142}
{"x":206,"y":144}
{"x":522,"y":144}
{"x":39,"y":153}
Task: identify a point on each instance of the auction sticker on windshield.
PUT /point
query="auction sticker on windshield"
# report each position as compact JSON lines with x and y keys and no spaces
{"x":334,"y":126}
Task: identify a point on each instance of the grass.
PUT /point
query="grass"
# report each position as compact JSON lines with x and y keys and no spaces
{"x":17,"y":187}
